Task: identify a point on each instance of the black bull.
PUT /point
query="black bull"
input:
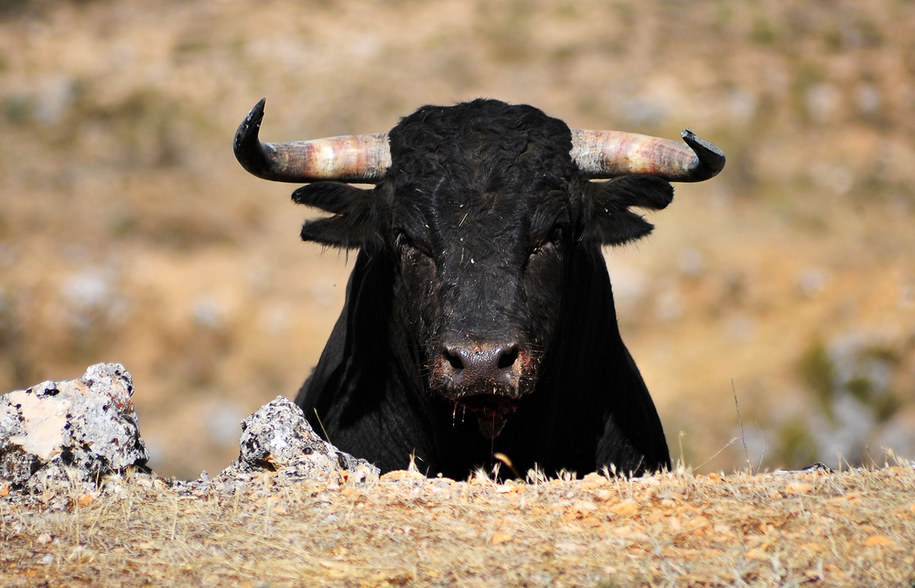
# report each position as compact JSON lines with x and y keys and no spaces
{"x":479,"y":318}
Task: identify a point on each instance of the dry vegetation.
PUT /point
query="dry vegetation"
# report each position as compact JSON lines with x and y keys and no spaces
{"x":128,"y":233}
{"x":854,"y":528}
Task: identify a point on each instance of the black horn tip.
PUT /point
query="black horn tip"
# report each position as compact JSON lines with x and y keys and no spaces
{"x":247,"y":146}
{"x":257,"y":112}
{"x":249,"y":128}
{"x":711,"y":157}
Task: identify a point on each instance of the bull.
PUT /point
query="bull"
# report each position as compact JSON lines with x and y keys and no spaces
{"x":479,"y":318}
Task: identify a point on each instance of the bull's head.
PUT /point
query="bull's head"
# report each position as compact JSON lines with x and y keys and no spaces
{"x":479,"y":207}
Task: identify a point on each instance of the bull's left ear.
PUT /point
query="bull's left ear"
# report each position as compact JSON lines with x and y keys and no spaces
{"x":607,"y":219}
{"x":352,"y":223}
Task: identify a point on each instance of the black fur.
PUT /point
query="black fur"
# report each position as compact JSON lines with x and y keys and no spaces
{"x":479,"y":316}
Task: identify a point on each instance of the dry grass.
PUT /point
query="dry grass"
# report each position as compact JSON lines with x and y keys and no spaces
{"x":850,"y":528}
{"x":129,"y":233}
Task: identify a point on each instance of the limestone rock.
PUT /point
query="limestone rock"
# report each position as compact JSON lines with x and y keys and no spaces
{"x":278,"y":438}
{"x":71,"y":430}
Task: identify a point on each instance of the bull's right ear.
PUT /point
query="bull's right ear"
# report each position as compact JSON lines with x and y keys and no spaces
{"x":353,"y":220}
{"x":607,"y":219}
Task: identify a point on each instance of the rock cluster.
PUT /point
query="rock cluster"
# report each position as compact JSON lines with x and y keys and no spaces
{"x":79,"y":431}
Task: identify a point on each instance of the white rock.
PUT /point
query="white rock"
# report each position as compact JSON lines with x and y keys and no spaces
{"x":278,"y":438}
{"x":85,"y":428}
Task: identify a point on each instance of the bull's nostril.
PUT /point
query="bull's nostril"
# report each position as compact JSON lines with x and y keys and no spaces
{"x":453,"y":359}
{"x":508,"y":357}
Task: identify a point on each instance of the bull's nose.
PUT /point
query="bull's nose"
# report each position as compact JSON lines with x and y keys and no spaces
{"x":481,"y":364}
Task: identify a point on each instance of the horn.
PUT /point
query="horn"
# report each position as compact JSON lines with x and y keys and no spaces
{"x":350,"y":158}
{"x":607,"y":154}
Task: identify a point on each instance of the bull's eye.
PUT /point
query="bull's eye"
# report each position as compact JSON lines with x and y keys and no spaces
{"x":552,"y":241}
{"x":401,"y":240}
{"x":405,"y":245}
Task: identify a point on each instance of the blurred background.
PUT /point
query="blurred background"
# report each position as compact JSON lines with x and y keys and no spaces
{"x":779,"y":296}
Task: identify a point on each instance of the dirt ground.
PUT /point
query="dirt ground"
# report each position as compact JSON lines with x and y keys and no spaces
{"x":772,"y":312}
{"x":851,"y":528}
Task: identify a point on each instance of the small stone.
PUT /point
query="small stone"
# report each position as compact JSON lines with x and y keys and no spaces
{"x":398,"y":475}
{"x":798,"y":488}
{"x":626,"y":507}
{"x":879,"y":541}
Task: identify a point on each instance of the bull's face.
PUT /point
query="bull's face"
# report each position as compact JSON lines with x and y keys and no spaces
{"x":480,"y":252}
{"x":479,"y":208}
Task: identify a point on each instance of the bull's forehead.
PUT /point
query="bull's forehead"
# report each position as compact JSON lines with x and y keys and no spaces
{"x":475,"y":216}
{"x":479,"y":175}
{"x":481,"y":146}
{"x":455,"y":206}
{"x":474,"y":230}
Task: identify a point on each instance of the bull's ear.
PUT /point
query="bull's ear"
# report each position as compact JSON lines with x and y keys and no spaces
{"x":352,"y":223}
{"x":607,"y":218}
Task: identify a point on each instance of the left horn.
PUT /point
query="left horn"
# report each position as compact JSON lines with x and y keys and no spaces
{"x":607,"y":154}
{"x":351,"y":158}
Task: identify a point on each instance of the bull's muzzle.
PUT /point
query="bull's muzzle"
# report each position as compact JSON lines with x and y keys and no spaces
{"x":482,"y":368}
{"x":487,"y":380}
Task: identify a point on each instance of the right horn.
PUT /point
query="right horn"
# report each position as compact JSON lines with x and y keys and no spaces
{"x":351,"y":158}
{"x":608,"y":154}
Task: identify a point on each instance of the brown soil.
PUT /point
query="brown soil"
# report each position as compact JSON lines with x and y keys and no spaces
{"x":128,"y":233}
